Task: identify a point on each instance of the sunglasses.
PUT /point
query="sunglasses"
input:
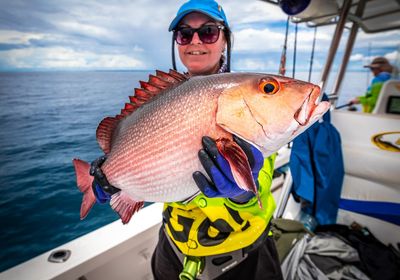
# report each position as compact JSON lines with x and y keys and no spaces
{"x":208,"y":34}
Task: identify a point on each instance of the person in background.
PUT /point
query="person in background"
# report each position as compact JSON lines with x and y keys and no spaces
{"x":221,"y":233}
{"x":382,"y":71}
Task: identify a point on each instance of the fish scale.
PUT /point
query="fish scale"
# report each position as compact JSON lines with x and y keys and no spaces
{"x":151,"y":139}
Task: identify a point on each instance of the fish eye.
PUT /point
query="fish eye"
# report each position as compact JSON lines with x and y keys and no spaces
{"x":269,"y":86}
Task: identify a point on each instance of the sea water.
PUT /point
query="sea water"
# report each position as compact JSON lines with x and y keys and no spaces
{"x":47,"y":119}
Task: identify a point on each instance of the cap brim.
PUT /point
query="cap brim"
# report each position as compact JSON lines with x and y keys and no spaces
{"x":372,"y":65}
{"x":179,"y":17}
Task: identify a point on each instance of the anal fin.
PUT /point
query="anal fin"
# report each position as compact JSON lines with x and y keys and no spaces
{"x":125,"y":206}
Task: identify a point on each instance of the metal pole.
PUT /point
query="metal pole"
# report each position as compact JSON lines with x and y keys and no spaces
{"x":349,"y":48}
{"x":282,"y":66}
{"x":335,"y":43}
{"x":312,"y":54}
{"x":368,"y":72}
{"x":285,"y":194}
{"x":294,"y":52}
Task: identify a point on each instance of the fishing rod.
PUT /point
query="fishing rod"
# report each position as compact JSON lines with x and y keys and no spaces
{"x":346,"y":105}
{"x":294,"y":51}
{"x":282,"y":66}
{"x":312,"y":54}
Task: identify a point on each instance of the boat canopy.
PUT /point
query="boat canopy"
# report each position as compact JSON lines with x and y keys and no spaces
{"x":378,"y":15}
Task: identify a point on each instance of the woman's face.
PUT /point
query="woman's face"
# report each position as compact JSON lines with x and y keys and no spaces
{"x":198,"y":57}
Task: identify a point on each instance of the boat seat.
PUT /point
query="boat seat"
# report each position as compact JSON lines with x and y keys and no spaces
{"x":371,"y":188}
{"x":361,"y":157}
{"x":371,"y":204}
{"x":390,"y":88}
{"x":370,"y":198}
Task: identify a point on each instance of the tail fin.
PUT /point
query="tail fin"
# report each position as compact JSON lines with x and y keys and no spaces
{"x":84,"y":182}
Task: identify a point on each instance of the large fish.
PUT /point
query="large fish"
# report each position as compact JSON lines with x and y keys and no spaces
{"x":152,"y":145}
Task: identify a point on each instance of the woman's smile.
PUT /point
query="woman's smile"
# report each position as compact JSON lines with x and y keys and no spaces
{"x":196,"y":52}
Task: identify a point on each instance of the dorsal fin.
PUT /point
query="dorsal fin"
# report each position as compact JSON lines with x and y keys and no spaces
{"x":141,"y":94}
{"x":165,"y":76}
{"x":150,"y":88}
{"x":157,"y":84}
{"x":104,"y":133}
{"x":178,"y":76}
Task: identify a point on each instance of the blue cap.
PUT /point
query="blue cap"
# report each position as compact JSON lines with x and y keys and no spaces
{"x":207,"y":7}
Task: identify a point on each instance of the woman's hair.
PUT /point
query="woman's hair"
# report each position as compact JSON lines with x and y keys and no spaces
{"x":229,"y":42}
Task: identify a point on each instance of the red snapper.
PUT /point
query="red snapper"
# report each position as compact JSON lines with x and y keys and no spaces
{"x":152,"y":145}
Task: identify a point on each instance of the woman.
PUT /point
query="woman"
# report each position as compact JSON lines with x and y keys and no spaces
{"x":222,"y":233}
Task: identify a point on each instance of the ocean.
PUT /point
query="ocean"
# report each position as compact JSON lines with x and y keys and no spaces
{"x":47,"y":119}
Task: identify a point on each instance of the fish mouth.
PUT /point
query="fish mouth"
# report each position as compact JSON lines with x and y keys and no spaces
{"x":304,"y":113}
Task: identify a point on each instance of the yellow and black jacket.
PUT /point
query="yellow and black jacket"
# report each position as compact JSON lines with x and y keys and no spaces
{"x":210,"y":226}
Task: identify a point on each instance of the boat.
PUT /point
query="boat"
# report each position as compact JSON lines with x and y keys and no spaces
{"x":371,"y":181}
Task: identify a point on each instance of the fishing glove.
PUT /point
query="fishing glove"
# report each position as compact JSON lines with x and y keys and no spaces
{"x":100,"y":183}
{"x":222,"y":183}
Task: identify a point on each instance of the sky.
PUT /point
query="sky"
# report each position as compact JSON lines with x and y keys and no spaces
{"x":133,"y":35}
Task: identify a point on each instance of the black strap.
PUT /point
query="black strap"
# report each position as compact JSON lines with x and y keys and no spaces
{"x":100,"y":178}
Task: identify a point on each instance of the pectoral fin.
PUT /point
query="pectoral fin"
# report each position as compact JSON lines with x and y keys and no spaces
{"x":239,"y":165}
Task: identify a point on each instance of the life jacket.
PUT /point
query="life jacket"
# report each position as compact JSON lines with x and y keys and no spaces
{"x":369,"y":100}
{"x":210,"y":226}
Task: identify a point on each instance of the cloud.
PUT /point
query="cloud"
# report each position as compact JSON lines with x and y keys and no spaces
{"x":391,"y":56}
{"x":89,"y":30}
{"x":133,"y":34}
{"x":356,"y":57}
{"x":239,"y":12}
{"x":249,"y":64}
{"x":257,"y":40}
{"x":58,"y":57}
{"x":109,"y":29}
{"x":267,"y":39}
{"x":17,"y":37}
{"x":379,"y":40}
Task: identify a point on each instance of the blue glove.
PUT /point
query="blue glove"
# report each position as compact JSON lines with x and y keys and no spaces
{"x":218,"y":169}
{"x":100,"y":185}
{"x":101,"y":196}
